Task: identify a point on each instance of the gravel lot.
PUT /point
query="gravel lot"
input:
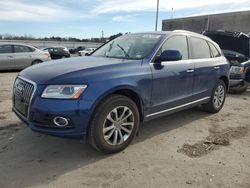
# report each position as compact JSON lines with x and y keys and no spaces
{"x":187,"y":149}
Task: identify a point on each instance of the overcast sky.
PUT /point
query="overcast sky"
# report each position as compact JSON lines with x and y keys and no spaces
{"x":87,"y":18}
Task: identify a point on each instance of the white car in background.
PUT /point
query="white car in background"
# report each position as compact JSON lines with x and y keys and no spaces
{"x":86,"y":51}
{"x":19,"y":56}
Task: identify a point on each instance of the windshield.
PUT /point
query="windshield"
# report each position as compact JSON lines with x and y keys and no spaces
{"x":131,"y":46}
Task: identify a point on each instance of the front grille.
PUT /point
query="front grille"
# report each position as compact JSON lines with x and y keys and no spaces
{"x":23,"y":91}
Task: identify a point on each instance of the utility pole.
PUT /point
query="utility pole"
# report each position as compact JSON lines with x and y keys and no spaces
{"x":172,"y":13}
{"x":102,"y":39}
{"x":157,"y":11}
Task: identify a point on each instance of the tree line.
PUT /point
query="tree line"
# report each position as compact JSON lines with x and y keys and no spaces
{"x":57,"y":38}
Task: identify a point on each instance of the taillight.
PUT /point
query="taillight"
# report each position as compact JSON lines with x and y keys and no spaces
{"x":47,"y":54}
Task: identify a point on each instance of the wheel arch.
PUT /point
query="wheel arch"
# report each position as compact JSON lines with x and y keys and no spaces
{"x":134,"y":96}
{"x":36,"y":60}
{"x":122,"y":90}
{"x":225,"y":80}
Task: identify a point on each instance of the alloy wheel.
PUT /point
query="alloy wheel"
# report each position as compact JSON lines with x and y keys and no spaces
{"x":118,"y":125}
{"x":219,"y":96}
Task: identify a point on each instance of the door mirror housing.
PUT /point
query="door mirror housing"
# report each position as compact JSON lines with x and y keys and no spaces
{"x":169,"y":55}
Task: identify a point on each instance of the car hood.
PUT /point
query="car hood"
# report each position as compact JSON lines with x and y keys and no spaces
{"x":233,"y":41}
{"x":46,"y":72}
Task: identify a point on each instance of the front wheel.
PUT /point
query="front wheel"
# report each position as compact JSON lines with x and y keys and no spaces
{"x":217,"y":98}
{"x":114,"y":124}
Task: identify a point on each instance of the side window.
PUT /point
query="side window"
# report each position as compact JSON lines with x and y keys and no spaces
{"x":21,"y":49}
{"x":199,"y":48}
{"x":214,"y":50}
{"x":31,"y":49}
{"x":177,"y":43}
{"x":4,"y":49}
{"x":49,"y":49}
{"x":60,"y":50}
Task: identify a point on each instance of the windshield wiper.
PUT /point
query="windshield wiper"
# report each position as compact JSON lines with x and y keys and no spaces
{"x":123,"y":50}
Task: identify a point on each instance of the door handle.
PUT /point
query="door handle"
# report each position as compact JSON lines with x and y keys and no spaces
{"x":216,"y":67}
{"x":10,"y":56}
{"x":190,"y":70}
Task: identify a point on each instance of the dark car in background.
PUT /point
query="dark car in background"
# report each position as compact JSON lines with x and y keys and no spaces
{"x":132,"y":79}
{"x":77,"y":49}
{"x":57,"y":52}
{"x":236,"y":48}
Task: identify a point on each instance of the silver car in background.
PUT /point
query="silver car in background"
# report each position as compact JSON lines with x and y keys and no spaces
{"x":86,"y":51}
{"x":19,"y":56}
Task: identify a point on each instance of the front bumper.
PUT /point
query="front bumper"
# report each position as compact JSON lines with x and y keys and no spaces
{"x":236,"y":83}
{"x":43,"y":111}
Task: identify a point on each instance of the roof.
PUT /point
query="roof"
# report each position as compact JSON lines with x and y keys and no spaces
{"x":12,"y":43}
{"x":175,"y":32}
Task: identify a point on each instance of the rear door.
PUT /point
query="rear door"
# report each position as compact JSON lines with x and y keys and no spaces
{"x":172,"y":80}
{"x":51,"y":52}
{"x":206,"y":68}
{"x":23,"y":56}
{"x":6,"y":57}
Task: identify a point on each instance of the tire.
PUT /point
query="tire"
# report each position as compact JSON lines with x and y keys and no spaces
{"x":217,"y":98}
{"x":105,"y":122}
{"x":36,"y":62}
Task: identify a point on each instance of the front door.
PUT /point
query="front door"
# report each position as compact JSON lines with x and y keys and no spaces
{"x":23,"y":56}
{"x":172,"y":80}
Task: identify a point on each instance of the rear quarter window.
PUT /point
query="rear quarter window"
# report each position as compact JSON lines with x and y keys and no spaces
{"x":5,"y":49}
{"x":199,"y":48}
{"x":22,"y":49}
{"x":214,"y":50}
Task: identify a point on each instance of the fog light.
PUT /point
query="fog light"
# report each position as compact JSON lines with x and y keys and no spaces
{"x":60,"y":121}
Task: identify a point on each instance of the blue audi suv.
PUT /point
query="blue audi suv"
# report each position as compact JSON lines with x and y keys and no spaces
{"x":105,"y":96}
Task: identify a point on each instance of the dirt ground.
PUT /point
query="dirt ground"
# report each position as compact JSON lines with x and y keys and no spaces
{"x":186,"y":149}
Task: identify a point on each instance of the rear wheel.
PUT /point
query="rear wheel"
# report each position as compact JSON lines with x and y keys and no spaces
{"x":114,"y":124}
{"x":217,"y":99}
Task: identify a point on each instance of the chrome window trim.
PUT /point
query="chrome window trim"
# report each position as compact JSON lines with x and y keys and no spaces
{"x":177,"y":107}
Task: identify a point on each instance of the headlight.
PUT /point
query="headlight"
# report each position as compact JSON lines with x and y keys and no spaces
{"x":237,"y":70}
{"x":63,"y":91}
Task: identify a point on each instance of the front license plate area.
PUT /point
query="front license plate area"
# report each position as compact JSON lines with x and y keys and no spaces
{"x":20,"y":106}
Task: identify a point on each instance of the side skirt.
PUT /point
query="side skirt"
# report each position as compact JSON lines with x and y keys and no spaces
{"x":176,"y":109}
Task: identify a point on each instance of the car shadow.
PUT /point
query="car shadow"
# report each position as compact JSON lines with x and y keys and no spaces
{"x":170,"y":122}
{"x":30,"y":159}
{"x":242,"y":95}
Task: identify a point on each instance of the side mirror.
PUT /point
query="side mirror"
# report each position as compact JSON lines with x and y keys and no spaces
{"x":169,"y":55}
